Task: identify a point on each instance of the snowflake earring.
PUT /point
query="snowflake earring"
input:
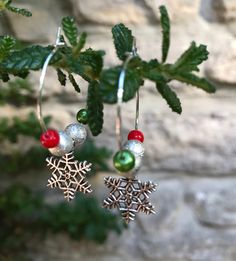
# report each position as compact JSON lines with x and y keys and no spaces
{"x":128,"y":194}
{"x":67,"y":174}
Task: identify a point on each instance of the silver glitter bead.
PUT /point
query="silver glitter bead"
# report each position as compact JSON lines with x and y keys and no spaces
{"x":65,"y":145}
{"x":135,"y":146}
{"x":77,"y":132}
{"x":133,"y":172}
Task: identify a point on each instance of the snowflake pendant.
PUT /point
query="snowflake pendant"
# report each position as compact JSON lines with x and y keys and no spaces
{"x":130,"y":196}
{"x":69,"y":175}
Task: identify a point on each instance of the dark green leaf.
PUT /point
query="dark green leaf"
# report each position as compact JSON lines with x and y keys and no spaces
{"x":170,"y":96}
{"x":123,"y":40}
{"x":70,"y":29}
{"x":95,"y":108}
{"x":191,"y":58}
{"x":30,"y":58}
{"x":194,"y":80}
{"x":74,"y":83}
{"x":6,"y":45}
{"x":89,"y":64}
{"x":109,"y":84}
{"x":17,"y":10}
{"x":61,"y":77}
{"x":81,"y":43}
{"x":165,"y":24}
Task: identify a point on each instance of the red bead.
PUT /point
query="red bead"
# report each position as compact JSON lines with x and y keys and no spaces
{"x":50,"y":139}
{"x":136,"y":135}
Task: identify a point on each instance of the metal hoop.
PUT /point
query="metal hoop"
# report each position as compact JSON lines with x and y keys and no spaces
{"x":58,"y":44}
{"x":120,"y":93}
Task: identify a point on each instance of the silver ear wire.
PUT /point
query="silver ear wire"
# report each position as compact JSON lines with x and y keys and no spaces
{"x":58,"y":44}
{"x":120,"y":93}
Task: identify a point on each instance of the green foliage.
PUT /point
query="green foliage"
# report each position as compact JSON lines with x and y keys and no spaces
{"x":30,"y":58}
{"x":123,"y":40}
{"x":170,"y":96}
{"x":191,"y":58}
{"x":165,"y":24}
{"x":7,"y":43}
{"x":74,"y":83}
{"x":6,"y":4}
{"x":82,"y":220}
{"x":194,"y":80}
{"x":70,"y":29}
{"x":17,"y":93}
{"x":61,"y":77}
{"x":109,"y":86}
{"x":95,"y":108}
{"x":89,"y":65}
{"x":11,"y":129}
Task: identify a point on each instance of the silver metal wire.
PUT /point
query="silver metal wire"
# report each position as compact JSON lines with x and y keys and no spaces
{"x":120,"y":93}
{"x":58,"y":44}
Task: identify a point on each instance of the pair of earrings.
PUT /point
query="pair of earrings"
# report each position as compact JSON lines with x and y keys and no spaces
{"x":127,"y":194}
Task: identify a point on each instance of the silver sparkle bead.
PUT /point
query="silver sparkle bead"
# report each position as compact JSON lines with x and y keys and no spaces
{"x":77,"y":132}
{"x":135,"y":146}
{"x":65,"y":145}
{"x":133,"y":172}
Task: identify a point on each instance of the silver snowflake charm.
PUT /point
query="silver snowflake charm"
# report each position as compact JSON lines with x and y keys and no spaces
{"x":69,"y":175}
{"x":130,"y":196}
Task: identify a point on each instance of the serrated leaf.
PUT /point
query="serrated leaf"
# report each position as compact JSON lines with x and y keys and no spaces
{"x":30,"y":58}
{"x":170,"y":96}
{"x":61,"y":77}
{"x":74,"y":83}
{"x":109,"y":84}
{"x":17,"y":10}
{"x":191,"y":58}
{"x":7,"y":43}
{"x":70,"y":29}
{"x":123,"y":40}
{"x":95,"y":108}
{"x":88,"y":64}
{"x":165,"y":24}
{"x":194,"y":80}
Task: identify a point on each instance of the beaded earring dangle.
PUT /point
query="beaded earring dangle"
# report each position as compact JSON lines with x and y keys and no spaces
{"x":67,"y":173}
{"x":128,"y":194}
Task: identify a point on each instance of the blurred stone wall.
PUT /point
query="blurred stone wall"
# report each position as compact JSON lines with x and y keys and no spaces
{"x":192,"y":157}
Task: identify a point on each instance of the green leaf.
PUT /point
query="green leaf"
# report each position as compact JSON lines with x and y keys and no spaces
{"x":165,"y":24}
{"x":70,"y":29}
{"x":30,"y":58}
{"x":17,"y":10}
{"x":81,"y":43}
{"x":191,"y":58}
{"x":89,"y":64}
{"x":95,"y":108}
{"x":74,"y":83}
{"x":170,"y":96}
{"x":61,"y":77}
{"x":123,"y":40}
{"x":194,"y":80}
{"x":109,"y":84}
{"x":7,"y":43}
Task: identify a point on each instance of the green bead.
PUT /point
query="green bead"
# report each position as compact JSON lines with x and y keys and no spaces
{"x":82,"y":116}
{"x":124,"y":160}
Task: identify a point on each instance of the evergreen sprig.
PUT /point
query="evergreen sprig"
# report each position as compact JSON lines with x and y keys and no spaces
{"x":7,"y":4}
{"x":88,"y":64}
{"x":85,"y":219}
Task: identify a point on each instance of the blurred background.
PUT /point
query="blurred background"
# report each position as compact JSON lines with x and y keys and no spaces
{"x":191,"y":156}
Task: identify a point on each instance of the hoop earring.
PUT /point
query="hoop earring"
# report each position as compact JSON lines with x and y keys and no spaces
{"x":67,"y":173}
{"x":128,"y":194}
